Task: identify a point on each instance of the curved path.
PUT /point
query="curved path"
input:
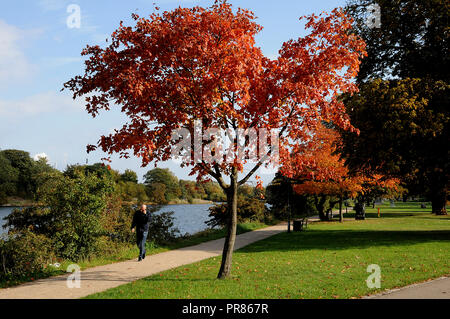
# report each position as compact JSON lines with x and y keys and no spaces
{"x":101,"y":278}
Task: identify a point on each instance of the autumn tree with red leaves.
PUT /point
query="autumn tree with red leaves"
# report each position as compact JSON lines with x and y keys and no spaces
{"x":202,"y":64}
{"x":320,"y":172}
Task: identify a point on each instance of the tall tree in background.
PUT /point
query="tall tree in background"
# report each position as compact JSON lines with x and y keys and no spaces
{"x":9,"y":177}
{"x":23,"y":164}
{"x":402,"y":110}
{"x":163,"y":176}
{"x":190,"y":64}
{"x":19,"y":174}
{"x":321,"y":173}
{"x":412,"y":40}
{"x":402,"y":134}
{"x":129,"y":176}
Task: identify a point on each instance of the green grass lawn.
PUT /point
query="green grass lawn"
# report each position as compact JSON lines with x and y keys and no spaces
{"x":329,"y":260}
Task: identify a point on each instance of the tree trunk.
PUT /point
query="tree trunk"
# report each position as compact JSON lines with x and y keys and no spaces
{"x":321,"y":208}
{"x":438,"y":202}
{"x":341,"y":216}
{"x":227,"y":254}
{"x":322,"y":216}
{"x":359,"y":208}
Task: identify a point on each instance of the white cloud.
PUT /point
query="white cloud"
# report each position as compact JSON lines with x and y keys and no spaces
{"x":40,"y":103}
{"x":37,"y":157}
{"x":14,"y":65}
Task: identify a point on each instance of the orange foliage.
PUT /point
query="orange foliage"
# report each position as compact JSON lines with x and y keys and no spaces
{"x":202,"y":64}
{"x":321,"y":171}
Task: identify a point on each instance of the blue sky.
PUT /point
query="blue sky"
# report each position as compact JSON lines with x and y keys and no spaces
{"x":38,"y":53}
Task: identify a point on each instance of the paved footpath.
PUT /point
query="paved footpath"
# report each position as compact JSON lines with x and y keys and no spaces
{"x":101,"y":278}
{"x":434,"y":289}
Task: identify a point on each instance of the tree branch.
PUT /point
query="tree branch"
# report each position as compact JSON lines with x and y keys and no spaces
{"x":261,"y":161}
{"x":215,"y":174}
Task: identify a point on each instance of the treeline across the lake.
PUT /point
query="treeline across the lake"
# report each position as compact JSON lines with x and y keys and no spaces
{"x":160,"y":187}
{"x":163,"y":187}
{"x":21,"y":176}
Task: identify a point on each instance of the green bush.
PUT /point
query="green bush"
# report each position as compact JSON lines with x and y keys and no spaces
{"x":249,"y":210}
{"x":161,"y":229}
{"x":131,"y":191}
{"x":72,"y":214}
{"x":24,"y":255}
{"x":116,"y":221}
{"x":117,"y":224}
{"x":79,"y":217}
{"x":77,"y":205}
{"x":37,"y":219}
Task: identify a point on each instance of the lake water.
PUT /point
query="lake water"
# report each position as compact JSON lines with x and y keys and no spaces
{"x":188,"y":218}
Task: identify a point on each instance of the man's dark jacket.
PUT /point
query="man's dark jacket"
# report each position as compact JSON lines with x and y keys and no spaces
{"x":141,"y":221}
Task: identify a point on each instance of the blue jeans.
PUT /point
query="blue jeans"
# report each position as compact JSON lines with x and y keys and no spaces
{"x":141,"y":238}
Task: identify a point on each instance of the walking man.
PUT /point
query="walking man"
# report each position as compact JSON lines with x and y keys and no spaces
{"x":140,"y":224}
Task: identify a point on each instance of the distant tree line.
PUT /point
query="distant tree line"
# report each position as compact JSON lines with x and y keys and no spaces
{"x":162,"y":186}
{"x":21,"y":176}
